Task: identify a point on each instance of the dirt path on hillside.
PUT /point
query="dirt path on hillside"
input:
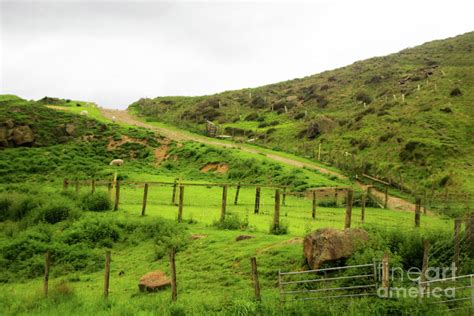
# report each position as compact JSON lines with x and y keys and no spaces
{"x":125,"y":117}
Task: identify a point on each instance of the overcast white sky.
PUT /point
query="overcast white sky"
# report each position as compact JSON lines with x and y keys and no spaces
{"x":114,"y":52}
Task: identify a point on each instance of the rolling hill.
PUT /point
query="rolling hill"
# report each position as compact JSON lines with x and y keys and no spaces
{"x":407,"y":117}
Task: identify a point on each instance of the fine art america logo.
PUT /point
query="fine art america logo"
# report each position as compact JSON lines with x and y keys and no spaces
{"x":422,"y":282}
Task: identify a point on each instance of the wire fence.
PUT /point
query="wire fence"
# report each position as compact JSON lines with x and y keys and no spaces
{"x":300,"y":211}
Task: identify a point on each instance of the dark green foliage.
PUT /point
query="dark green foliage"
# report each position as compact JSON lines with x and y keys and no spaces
{"x":363,"y":97}
{"x":96,"y":202}
{"x":252,"y":117}
{"x":282,"y":228}
{"x":456,"y":92}
{"x":14,"y":206}
{"x":93,"y":232}
{"x":55,"y":211}
{"x":232,"y":222}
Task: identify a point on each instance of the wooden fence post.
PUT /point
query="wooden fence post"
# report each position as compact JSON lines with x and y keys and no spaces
{"x":276,"y":213}
{"x":417,"y":212}
{"x":347,"y":223}
{"x":313,"y":211}
{"x":257,"y":200}
{"x":180,"y":207}
{"x":107,"y":274}
{"x":173,"y":197}
{"x":386,"y":274}
{"x":47,"y":264}
{"x":236,"y":200}
{"x":65,"y":184}
{"x":256,"y":283}
{"x":457,"y":241}
{"x":145,"y":196}
{"x":284,"y":196}
{"x":93,"y":186}
{"x":224,"y":202}
{"x":174,"y":293}
{"x":362,"y":208}
{"x":117,"y":195}
{"x":469,"y":232}
{"x":335,"y":197}
{"x":425,"y":199}
{"x":385,"y":203}
{"x":424,"y":268}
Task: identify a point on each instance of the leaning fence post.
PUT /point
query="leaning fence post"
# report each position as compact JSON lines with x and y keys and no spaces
{"x":313,"y":213}
{"x":256,"y":283}
{"x":145,"y":195}
{"x":385,"y":204}
{"x":457,"y":241}
{"x":347,"y":223}
{"x":469,"y":231}
{"x":362,"y":208}
{"x":276,"y":213}
{"x":174,"y":293}
{"x":257,"y":200}
{"x":173,"y":197}
{"x":47,"y":263}
{"x":236,"y":200}
{"x":93,"y":186}
{"x":117,"y":195}
{"x":424,"y":268}
{"x":224,"y":202}
{"x":417,"y":212}
{"x":65,"y":184}
{"x":107,"y":274}
{"x":386,"y":274}
{"x":180,"y":207}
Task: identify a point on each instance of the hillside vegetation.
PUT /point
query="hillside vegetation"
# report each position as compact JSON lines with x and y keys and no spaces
{"x":42,"y":143}
{"x":406,"y":117}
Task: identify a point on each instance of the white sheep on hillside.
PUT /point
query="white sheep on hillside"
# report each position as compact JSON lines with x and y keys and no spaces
{"x":114,"y":119}
{"x":116,"y":162}
{"x":84,"y":112}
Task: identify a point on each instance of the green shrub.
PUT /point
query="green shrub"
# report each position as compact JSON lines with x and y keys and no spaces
{"x":363,"y":97}
{"x":232,"y":222}
{"x":14,"y":206}
{"x":96,"y":202}
{"x":55,"y":211}
{"x":282,"y":228}
{"x":456,"y":92}
{"x":95,"y":232}
{"x":5,"y":203}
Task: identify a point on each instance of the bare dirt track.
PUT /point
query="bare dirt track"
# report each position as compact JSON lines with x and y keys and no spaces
{"x":125,"y":117}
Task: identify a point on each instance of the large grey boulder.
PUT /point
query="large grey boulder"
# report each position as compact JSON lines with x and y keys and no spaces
{"x":329,"y":244}
{"x":22,"y":135}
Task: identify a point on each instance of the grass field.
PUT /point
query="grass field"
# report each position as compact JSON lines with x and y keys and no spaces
{"x":213,"y":272}
{"x":213,"y":269}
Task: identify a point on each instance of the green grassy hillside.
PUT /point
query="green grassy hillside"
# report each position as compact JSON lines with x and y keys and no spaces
{"x":41,"y":144}
{"x":65,"y":144}
{"x":406,"y":117}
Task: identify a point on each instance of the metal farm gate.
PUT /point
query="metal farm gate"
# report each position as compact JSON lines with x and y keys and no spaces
{"x":337,"y":282}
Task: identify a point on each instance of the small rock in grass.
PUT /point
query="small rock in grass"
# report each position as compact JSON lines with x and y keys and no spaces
{"x":243,"y":237}
{"x":153,"y":281}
